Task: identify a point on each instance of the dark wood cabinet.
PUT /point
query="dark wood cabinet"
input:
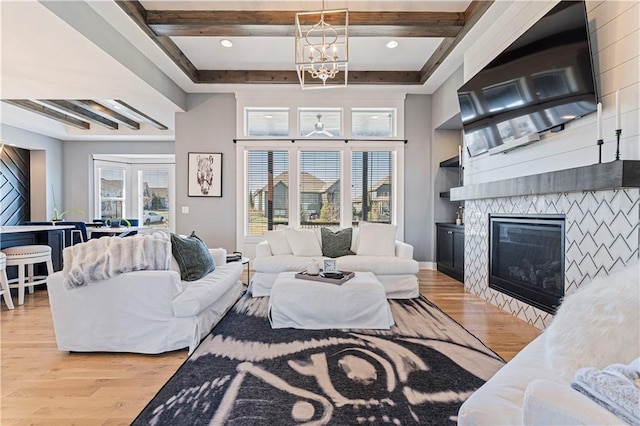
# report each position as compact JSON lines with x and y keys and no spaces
{"x":52,"y":238}
{"x":450,"y":250}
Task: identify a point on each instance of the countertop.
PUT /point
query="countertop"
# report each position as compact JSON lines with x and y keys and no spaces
{"x":18,"y":228}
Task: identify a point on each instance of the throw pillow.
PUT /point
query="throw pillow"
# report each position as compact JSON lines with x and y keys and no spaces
{"x":597,"y":325}
{"x":193,"y":257}
{"x":278,"y":242}
{"x":377,"y":239}
{"x":303,"y":242}
{"x":336,"y":244}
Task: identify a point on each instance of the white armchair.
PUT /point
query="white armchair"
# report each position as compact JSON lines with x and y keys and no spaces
{"x":143,"y":311}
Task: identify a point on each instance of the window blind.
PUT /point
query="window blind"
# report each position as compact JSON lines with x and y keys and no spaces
{"x":268,"y":190}
{"x":371,"y":191}
{"x":319,"y":188}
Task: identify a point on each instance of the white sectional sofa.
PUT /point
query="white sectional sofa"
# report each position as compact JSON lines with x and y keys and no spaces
{"x":391,"y":261}
{"x":143,"y":311}
{"x":594,"y":327}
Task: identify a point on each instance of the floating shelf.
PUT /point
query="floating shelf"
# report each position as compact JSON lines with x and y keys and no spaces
{"x":451,"y":162}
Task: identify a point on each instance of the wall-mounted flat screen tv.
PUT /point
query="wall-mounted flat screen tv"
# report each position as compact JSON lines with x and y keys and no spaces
{"x":541,"y":81}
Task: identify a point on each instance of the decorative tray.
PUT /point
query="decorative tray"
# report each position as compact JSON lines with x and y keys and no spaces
{"x":346,"y":275}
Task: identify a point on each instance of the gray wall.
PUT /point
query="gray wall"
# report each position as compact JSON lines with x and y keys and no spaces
{"x":418,"y":191}
{"x":208,"y":126}
{"x":78,"y":166}
{"x":47,"y":172}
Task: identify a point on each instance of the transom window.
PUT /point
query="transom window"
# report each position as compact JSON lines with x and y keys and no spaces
{"x":373,"y":123}
{"x":267,"y":122}
{"x":320,"y":123}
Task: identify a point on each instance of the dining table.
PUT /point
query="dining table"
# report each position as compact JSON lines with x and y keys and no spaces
{"x":113,"y":231}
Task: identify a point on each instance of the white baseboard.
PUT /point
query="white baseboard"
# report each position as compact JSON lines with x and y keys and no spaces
{"x":427,"y":265}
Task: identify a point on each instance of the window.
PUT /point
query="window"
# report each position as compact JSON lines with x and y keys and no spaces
{"x":319,"y":188}
{"x":320,"y":123}
{"x":153,"y":189}
{"x":134,"y":187}
{"x":111,"y":190}
{"x":374,"y":123}
{"x":371,"y":186}
{"x":267,"y":122}
{"x":268,"y":190}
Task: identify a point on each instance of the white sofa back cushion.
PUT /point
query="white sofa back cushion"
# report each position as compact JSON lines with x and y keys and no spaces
{"x":303,"y":242}
{"x":377,"y":239}
{"x":278,"y":242}
{"x":597,"y":325}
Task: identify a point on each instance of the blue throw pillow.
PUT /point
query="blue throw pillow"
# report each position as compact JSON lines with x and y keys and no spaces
{"x":192,"y":256}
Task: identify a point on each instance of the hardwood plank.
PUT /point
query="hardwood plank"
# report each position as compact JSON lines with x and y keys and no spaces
{"x":42,"y":385}
{"x":280,"y":23}
{"x":137,"y":13}
{"x":48,"y":112}
{"x":291,"y":77}
{"x":77,"y":109}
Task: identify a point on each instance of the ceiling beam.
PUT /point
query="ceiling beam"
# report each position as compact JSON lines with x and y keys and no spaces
{"x":291,"y":77}
{"x":72,"y":108}
{"x":453,"y":26}
{"x":474,"y":12}
{"x":48,"y":112}
{"x":107,"y":113}
{"x":226,"y":23}
{"x":142,"y":115}
{"x":137,"y":13}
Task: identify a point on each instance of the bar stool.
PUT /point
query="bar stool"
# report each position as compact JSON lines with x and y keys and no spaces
{"x":28,"y":256}
{"x":4,"y":282}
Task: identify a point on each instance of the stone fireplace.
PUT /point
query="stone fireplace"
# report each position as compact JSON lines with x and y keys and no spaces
{"x":601,"y":209}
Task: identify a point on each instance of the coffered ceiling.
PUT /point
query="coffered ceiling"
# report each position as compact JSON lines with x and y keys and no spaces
{"x":59,"y":55}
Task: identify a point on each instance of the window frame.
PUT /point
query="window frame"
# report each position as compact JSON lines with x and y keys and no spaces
{"x":295,"y":149}
{"x":132,"y":204}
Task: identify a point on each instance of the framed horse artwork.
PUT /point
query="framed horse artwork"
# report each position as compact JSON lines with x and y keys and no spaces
{"x":205,"y":174}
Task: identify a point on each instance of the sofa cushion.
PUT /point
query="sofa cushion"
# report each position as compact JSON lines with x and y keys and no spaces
{"x":336,"y":244}
{"x":375,"y":264}
{"x":200,"y":294}
{"x":275,"y":264}
{"x":192,"y":256}
{"x":278,"y":242}
{"x":377,"y":239}
{"x":303,"y":242}
{"x":597,"y":325}
{"x":389,"y":265}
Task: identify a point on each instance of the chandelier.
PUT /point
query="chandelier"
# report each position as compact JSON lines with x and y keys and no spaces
{"x":322,"y":49}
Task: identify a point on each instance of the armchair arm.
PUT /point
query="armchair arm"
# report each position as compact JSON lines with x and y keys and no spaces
{"x":263,"y":249}
{"x":404,"y":250}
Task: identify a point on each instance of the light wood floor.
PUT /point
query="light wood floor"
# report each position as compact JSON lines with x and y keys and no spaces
{"x":43,"y":386}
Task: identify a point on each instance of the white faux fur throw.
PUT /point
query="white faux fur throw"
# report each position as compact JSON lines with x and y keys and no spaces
{"x":103,"y":258}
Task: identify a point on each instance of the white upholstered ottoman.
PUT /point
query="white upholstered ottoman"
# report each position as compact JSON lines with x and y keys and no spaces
{"x":360,"y":302}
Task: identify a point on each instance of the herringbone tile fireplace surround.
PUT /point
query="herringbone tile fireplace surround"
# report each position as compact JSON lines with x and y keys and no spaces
{"x":602,"y":233}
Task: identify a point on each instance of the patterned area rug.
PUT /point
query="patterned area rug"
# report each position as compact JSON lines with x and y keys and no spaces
{"x":244,"y":373}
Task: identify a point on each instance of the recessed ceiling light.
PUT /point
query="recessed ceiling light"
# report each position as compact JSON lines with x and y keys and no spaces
{"x":374,"y":117}
{"x":392,"y":44}
{"x":268,"y":116}
{"x":226,"y":43}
